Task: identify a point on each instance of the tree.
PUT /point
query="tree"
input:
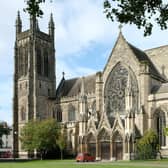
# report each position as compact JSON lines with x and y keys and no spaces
{"x":142,"y":13}
{"x":40,"y":135}
{"x":138,"y":12}
{"x":4,"y":130}
{"x":33,"y":7}
{"x":147,"y":146}
{"x":61,"y":142}
{"x":166,"y":131}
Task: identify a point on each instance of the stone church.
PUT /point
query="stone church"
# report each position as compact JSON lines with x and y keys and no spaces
{"x":103,"y":113}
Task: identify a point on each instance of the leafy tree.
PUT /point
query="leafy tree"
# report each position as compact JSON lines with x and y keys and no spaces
{"x":138,"y":12}
{"x":4,"y":130}
{"x":61,"y":142}
{"x":147,"y":146}
{"x":142,"y":13}
{"x":166,"y":131}
{"x":40,"y":135}
{"x":33,"y":7}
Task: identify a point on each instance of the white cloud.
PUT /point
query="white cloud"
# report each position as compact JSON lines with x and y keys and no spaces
{"x":78,"y":24}
{"x":71,"y":71}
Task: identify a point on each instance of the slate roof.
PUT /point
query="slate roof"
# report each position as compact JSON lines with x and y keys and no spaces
{"x":160,"y":89}
{"x":72,"y":87}
{"x":142,"y":56}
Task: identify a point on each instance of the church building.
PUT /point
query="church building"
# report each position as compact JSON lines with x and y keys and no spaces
{"x":103,"y":113}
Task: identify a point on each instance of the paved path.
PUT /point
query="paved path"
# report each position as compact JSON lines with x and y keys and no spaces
{"x":145,"y":164}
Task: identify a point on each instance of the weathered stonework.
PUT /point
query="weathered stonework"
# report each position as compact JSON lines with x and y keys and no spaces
{"x":103,"y":113}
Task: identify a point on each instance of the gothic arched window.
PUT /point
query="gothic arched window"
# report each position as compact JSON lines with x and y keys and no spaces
{"x":57,"y":114}
{"x":120,"y":85}
{"x":71,"y":113}
{"x":23,"y":60}
{"x":20,"y":61}
{"x":160,"y":123}
{"x":46,"y":64}
{"x":39,"y":62}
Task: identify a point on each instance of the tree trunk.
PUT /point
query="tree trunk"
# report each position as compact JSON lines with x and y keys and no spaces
{"x":41,"y":155}
{"x":61,"y":154}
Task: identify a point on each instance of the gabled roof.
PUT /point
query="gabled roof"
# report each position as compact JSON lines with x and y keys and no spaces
{"x":142,"y":56}
{"x":72,"y":87}
{"x":160,"y":89}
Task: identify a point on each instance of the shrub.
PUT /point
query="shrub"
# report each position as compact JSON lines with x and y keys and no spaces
{"x":147,"y":146}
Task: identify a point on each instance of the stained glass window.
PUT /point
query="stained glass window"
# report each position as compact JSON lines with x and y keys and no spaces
{"x":115,"y":91}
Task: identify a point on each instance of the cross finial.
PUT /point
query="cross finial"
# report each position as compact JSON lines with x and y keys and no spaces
{"x":120,"y":27}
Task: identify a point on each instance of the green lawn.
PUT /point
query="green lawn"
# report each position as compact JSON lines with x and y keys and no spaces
{"x":73,"y":164}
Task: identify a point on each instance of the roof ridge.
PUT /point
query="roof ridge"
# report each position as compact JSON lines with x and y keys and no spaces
{"x":142,"y":56}
{"x":155,"y":48}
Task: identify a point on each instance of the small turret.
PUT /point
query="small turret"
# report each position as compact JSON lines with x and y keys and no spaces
{"x":18,"y":24}
{"x":51,"y":26}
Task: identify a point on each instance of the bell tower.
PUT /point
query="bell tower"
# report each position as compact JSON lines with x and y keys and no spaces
{"x":34,"y":75}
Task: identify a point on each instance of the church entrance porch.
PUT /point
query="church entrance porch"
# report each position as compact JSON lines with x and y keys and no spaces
{"x":118,"y":150}
{"x":104,"y":145}
{"x":117,"y":147}
{"x":92,"y":149}
{"x":91,"y":144}
{"x":105,"y":150}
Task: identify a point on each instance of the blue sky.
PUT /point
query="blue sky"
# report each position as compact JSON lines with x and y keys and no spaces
{"x":84,"y":40}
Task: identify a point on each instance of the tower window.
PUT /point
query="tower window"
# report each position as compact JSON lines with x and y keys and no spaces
{"x":20,"y":61}
{"x":46,"y":66}
{"x":39,"y":62}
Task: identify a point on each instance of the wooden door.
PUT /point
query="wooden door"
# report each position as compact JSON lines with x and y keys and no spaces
{"x":118,"y":150}
{"x":105,"y":150}
{"x":92,"y":149}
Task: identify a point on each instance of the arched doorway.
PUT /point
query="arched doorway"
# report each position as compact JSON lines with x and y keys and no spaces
{"x":104,"y":145}
{"x":160,"y":124}
{"x":91,"y":142}
{"x":117,"y":146}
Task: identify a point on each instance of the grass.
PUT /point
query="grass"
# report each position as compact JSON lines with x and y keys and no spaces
{"x":73,"y":164}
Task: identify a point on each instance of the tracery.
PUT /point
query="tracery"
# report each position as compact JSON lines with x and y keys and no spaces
{"x":116,"y":90}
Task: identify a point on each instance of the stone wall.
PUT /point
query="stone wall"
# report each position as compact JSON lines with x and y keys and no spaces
{"x":159,"y":56}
